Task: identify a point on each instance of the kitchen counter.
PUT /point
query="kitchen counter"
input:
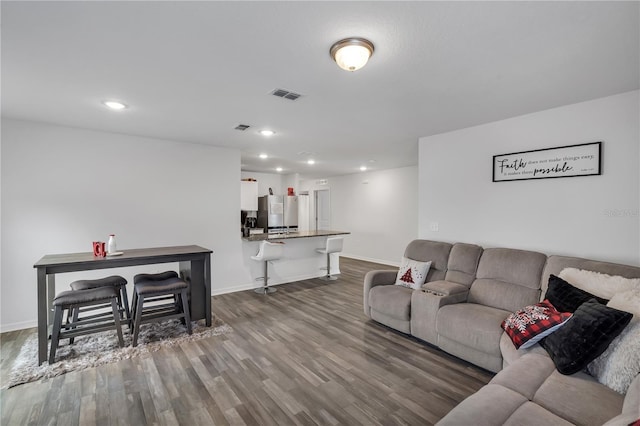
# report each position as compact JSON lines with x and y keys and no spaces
{"x":291,"y":235}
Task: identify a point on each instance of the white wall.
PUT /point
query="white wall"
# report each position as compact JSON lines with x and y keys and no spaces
{"x":595,"y":217}
{"x":379,"y":208}
{"x":63,"y":188}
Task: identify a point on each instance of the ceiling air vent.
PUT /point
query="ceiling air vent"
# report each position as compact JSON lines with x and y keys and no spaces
{"x":242,"y":127}
{"x":281,"y":93}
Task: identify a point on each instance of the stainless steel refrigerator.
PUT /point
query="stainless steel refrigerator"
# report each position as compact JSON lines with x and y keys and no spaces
{"x":278,"y":213}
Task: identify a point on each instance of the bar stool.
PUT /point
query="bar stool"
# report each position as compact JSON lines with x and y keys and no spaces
{"x":75,"y":299}
{"x":334,"y":245}
{"x":267,"y":252}
{"x":156,"y":288}
{"x":115,"y":281}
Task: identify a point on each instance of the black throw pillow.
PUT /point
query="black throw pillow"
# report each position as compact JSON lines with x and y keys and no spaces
{"x":585,"y":336}
{"x":565,"y":297}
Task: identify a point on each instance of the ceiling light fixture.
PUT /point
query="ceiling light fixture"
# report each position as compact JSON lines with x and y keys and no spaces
{"x":311,"y":162}
{"x":267,"y":132}
{"x":351,"y":54}
{"x":115,"y":105}
{"x":278,"y":169}
{"x":263,"y":156}
{"x":363,"y":168}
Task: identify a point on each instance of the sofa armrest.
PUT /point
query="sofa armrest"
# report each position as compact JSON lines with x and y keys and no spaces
{"x":424,"y":310}
{"x":444,"y":288}
{"x":373,"y":279}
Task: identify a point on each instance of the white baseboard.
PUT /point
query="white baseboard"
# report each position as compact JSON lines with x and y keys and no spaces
{"x":18,"y":326}
{"x":370,"y":259}
{"x":257,"y":284}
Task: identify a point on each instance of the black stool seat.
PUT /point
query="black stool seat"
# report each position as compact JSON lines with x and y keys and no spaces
{"x":160,"y":287}
{"x":112,"y":281}
{"x":115,"y":281}
{"x":74,"y":297}
{"x":155,"y":277}
{"x":154,"y":288}
{"x":73,"y":300}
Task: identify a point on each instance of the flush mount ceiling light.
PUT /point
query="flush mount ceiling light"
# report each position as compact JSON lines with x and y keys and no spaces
{"x":363,"y":168}
{"x":115,"y":105}
{"x":351,"y":54}
{"x":311,"y":162}
{"x":267,"y":132}
{"x":263,"y":156}
{"x":278,"y":169}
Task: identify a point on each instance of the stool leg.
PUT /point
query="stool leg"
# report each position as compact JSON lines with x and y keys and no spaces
{"x":134,"y":304}
{"x":185,"y":310}
{"x":125,"y":302}
{"x":55,"y":337}
{"x":328,"y":277}
{"x":116,"y":318}
{"x":76,"y":312}
{"x":137,"y":319}
{"x":265,"y":289}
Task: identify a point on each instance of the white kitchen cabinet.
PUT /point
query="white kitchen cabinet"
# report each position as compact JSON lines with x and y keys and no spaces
{"x":248,"y":195}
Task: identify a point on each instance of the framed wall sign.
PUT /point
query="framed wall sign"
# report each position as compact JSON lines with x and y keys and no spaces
{"x":566,"y":161}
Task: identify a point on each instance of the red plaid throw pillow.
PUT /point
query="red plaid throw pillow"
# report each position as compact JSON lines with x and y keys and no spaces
{"x":532,"y":323}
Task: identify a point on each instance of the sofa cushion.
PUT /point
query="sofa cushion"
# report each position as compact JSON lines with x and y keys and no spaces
{"x":529,"y":325}
{"x":619,"y":364}
{"x":510,"y":354}
{"x":597,"y":283}
{"x":507,"y":279}
{"x":530,"y":414}
{"x":526,"y":374}
{"x":578,"y":398}
{"x":555,"y":265}
{"x":434,"y":251}
{"x":476,"y":326}
{"x":627,"y":301}
{"x":463,"y":263}
{"x":585,"y":336}
{"x":565,"y":297}
{"x":391,"y":300}
{"x":412,"y":273}
{"x":473,"y":410}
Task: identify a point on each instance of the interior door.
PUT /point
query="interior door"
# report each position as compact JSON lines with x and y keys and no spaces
{"x":323,"y":210}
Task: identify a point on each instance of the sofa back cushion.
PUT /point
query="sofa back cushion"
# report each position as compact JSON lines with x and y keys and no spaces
{"x":463,"y":263}
{"x":435,"y":251}
{"x":555,"y":265}
{"x":508,"y":279}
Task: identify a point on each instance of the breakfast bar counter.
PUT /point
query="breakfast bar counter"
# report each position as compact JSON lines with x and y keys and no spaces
{"x":290,"y":235}
{"x":300,"y":257}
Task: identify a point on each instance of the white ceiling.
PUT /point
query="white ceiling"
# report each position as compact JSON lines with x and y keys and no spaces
{"x":192,"y":71}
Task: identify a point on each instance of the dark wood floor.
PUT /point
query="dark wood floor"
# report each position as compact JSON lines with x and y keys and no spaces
{"x":304,"y":355}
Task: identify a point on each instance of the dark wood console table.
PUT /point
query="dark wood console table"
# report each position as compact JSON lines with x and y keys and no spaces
{"x":195,"y":263}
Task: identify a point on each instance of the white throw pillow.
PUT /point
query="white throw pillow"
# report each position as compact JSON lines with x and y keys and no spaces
{"x":412,"y":273}
{"x":619,"y":364}
{"x":628,"y":301}
{"x":601,"y":285}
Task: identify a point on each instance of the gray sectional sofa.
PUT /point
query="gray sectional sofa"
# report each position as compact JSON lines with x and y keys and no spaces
{"x":468,"y":292}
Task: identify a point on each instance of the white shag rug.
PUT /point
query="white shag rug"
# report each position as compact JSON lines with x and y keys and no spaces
{"x":102,"y":348}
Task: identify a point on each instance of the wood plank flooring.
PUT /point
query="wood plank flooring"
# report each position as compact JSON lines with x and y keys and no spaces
{"x":305,"y":355}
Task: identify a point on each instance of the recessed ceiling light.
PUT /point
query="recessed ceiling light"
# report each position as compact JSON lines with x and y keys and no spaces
{"x":263,"y":156}
{"x":311,"y":162}
{"x":363,"y":168}
{"x":115,"y":105}
{"x":278,"y":169}
{"x":267,"y":132}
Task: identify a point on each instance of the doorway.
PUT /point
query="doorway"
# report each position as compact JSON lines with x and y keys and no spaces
{"x":322,"y":210}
